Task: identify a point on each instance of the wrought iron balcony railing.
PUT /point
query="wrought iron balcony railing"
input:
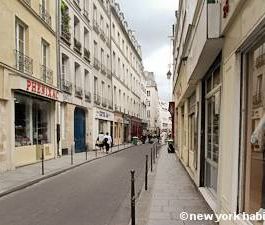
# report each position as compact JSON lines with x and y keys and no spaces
{"x":87,"y":55}
{"x":88,"y":96}
{"x":67,"y":86}
{"x":96,"y":63}
{"x":78,"y":91}
{"x":65,"y":34}
{"x":77,"y":46}
{"x":45,"y":15}
{"x":23,"y":63}
{"x":47,"y":74}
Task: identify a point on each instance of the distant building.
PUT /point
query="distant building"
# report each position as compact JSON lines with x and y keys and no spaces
{"x":164,"y":118}
{"x":152,"y":102}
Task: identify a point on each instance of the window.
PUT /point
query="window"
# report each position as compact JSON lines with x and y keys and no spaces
{"x":114,"y":63}
{"x":108,"y":61}
{"x":101,"y":22}
{"x":148,"y":93}
{"x":65,"y":67}
{"x":86,"y":39}
{"x":45,"y":53}
{"x":95,"y":85}
{"x":95,"y":13}
{"x":32,"y":121}
{"x":148,"y":103}
{"x":102,"y":57}
{"x":95,"y":49}
{"x":87,"y":88}
{"x":76,"y":29}
{"x":148,"y":113}
{"x":78,"y":80}
{"x":102,"y":88}
{"x":254,"y":191}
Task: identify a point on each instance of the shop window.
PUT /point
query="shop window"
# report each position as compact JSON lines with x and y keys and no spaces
{"x":32,"y":121}
{"x":255,"y":157}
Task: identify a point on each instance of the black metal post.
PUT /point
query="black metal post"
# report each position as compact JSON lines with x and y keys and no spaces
{"x":151,"y":160}
{"x":42,"y":160}
{"x":146,"y":172}
{"x":154,"y":155}
{"x":86,"y":151}
{"x":72,"y":155}
{"x":132,"y":198}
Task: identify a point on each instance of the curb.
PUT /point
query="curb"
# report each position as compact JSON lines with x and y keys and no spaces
{"x":45,"y":177}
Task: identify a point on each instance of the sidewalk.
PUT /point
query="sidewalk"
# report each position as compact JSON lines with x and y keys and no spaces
{"x":170,"y":192}
{"x":22,"y":177}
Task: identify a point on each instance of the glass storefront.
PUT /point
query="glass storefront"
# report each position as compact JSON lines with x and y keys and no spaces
{"x":212,"y":124}
{"x":32,"y":121}
{"x":255,"y":152}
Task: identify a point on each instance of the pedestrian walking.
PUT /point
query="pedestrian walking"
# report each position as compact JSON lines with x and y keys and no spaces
{"x":100,"y":141}
{"x":107,"y":141}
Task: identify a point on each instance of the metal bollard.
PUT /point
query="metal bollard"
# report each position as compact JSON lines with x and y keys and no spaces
{"x":154,"y":155}
{"x":151,"y":160}
{"x":42,"y":160}
{"x":72,"y":154}
{"x":132,"y":198}
{"x":146,"y":172}
{"x":86,"y":151}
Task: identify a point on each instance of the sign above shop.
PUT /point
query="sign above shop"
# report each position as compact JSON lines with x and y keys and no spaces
{"x":104,"y":115}
{"x":42,"y":89}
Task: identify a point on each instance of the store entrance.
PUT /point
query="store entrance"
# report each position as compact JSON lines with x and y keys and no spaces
{"x":80,"y":130}
{"x":212,"y":125}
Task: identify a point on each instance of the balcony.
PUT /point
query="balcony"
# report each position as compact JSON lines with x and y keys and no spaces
{"x":78,"y":92}
{"x":96,"y":64}
{"x":23,"y":63}
{"x":102,"y":35}
{"x":67,"y":86}
{"x":104,"y":102}
{"x":47,"y":74}
{"x":103,"y":69}
{"x":87,"y":55}
{"x":77,"y":46}
{"x":45,"y":15}
{"x":65,"y":34}
{"x":88,"y":96}
{"x":95,"y":26}
{"x":257,"y":100}
{"x":97,"y":99}
{"x":207,"y":41}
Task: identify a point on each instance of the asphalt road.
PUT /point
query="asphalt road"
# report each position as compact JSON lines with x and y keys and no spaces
{"x":97,"y":193}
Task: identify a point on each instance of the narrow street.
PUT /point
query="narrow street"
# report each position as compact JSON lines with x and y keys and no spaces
{"x":94,"y":194}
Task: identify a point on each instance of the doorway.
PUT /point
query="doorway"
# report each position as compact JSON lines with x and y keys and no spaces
{"x":80,"y":130}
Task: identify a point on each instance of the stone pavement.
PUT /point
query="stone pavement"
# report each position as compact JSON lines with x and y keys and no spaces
{"x":22,"y":177}
{"x":170,"y":192}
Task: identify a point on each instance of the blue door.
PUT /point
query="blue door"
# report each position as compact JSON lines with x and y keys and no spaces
{"x":80,"y":130}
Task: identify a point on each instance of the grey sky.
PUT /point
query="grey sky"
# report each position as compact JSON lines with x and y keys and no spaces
{"x":152,"y":20}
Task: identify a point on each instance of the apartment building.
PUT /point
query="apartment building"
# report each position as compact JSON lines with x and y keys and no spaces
{"x":152,"y":103}
{"x":164,"y":118}
{"x":76,"y":74}
{"x":127,"y":72}
{"x":219,"y":106}
{"x":29,"y":94}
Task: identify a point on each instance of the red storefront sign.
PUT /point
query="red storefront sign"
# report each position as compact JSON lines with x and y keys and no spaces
{"x":42,"y":89}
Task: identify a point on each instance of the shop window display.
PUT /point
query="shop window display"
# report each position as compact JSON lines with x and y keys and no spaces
{"x":32,"y":121}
